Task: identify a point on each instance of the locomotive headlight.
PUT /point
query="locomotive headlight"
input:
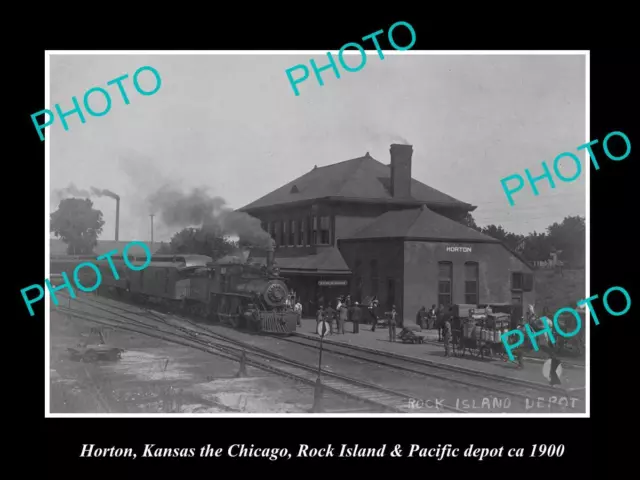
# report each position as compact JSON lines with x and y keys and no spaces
{"x":276,"y":293}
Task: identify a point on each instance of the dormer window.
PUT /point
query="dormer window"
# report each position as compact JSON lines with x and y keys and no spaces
{"x":294,"y":189}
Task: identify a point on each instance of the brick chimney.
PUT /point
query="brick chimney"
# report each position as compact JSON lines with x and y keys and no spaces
{"x":401,"y":170}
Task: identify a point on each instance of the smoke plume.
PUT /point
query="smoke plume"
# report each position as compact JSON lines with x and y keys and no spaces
{"x":104,"y":192}
{"x":377,"y":137}
{"x":399,"y":140}
{"x":73,"y":191}
{"x":197,"y":208}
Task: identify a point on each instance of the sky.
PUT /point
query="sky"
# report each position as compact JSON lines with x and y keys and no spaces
{"x":232,"y":123}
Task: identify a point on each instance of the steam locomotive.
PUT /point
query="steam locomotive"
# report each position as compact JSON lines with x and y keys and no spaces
{"x":232,"y":291}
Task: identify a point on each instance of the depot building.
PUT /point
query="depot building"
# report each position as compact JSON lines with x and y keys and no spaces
{"x":365,"y":228}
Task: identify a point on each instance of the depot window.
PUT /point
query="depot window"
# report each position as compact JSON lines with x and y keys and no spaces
{"x":285,"y":233}
{"x":292,"y":233}
{"x":277,"y":232}
{"x":471,"y":283}
{"x":325,"y":237}
{"x":300,"y":233}
{"x":521,"y":281}
{"x":314,"y":230}
{"x":445,"y":283}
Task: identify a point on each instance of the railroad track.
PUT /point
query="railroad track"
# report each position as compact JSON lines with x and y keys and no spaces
{"x":374,"y":396}
{"x":471,"y":378}
{"x":489,"y":382}
{"x":526,"y":390}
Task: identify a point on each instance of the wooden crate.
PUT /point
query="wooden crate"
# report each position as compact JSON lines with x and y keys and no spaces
{"x":462,"y":309}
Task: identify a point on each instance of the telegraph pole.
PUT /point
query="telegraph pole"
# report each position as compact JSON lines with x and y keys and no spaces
{"x":151,"y":215}
{"x":323,"y":329}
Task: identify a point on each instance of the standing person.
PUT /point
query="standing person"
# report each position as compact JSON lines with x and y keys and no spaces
{"x":519,"y":355}
{"x":555,"y":363}
{"x":446,"y":330}
{"x":420,"y":317}
{"x":439,"y":321}
{"x":298,"y":309}
{"x":343,"y":315}
{"x":319,"y":315}
{"x":356,"y":317}
{"x":373,"y":315}
{"x":329,"y":316}
{"x":431,"y":317}
{"x":393,"y":318}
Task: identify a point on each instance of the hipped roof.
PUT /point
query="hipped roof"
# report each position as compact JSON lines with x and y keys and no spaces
{"x":363,"y":178}
{"x":424,"y":224}
{"x":420,"y":223}
{"x":327,"y":260}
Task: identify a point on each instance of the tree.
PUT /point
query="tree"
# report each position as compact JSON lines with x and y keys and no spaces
{"x":537,"y":247}
{"x":202,"y":242}
{"x":569,"y":237}
{"x":470,"y":222}
{"x":78,"y":224}
{"x":511,"y":240}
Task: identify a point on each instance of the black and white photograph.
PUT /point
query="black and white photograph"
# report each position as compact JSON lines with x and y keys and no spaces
{"x":229,"y":235}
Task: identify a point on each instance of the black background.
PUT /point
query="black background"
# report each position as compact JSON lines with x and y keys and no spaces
{"x":323,"y":27}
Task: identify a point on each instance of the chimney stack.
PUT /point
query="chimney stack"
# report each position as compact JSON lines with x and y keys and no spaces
{"x":401,"y":170}
{"x":270,"y":253}
{"x":117,"y":217}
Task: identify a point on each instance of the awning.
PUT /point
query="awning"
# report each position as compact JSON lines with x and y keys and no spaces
{"x":327,"y":261}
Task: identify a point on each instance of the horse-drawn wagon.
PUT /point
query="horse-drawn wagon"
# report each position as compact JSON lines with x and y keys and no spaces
{"x":478,"y":330}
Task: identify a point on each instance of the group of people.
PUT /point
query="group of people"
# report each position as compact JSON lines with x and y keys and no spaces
{"x":348,"y":311}
{"x":440,"y":319}
{"x":545,"y":344}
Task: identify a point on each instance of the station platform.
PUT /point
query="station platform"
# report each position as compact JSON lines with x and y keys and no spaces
{"x":573,"y":376}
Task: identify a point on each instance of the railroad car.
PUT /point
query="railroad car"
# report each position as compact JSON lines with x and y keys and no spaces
{"x":232,"y":291}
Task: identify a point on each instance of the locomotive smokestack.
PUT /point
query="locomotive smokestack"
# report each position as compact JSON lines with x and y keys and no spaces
{"x":270,"y":249}
{"x":117,"y":216}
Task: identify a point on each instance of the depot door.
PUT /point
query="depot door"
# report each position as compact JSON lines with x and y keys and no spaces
{"x":517,"y":309}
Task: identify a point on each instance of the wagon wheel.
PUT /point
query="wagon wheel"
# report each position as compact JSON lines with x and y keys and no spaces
{"x":486,"y":351}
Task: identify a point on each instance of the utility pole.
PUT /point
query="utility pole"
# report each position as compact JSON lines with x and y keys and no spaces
{"x":323,"y":329}
{"x":152,"y":215}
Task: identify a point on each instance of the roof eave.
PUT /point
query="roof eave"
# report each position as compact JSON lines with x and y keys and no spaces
{"x":452,"y":240}
{"x":386,"y":201}
{"x":421,"y":239}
